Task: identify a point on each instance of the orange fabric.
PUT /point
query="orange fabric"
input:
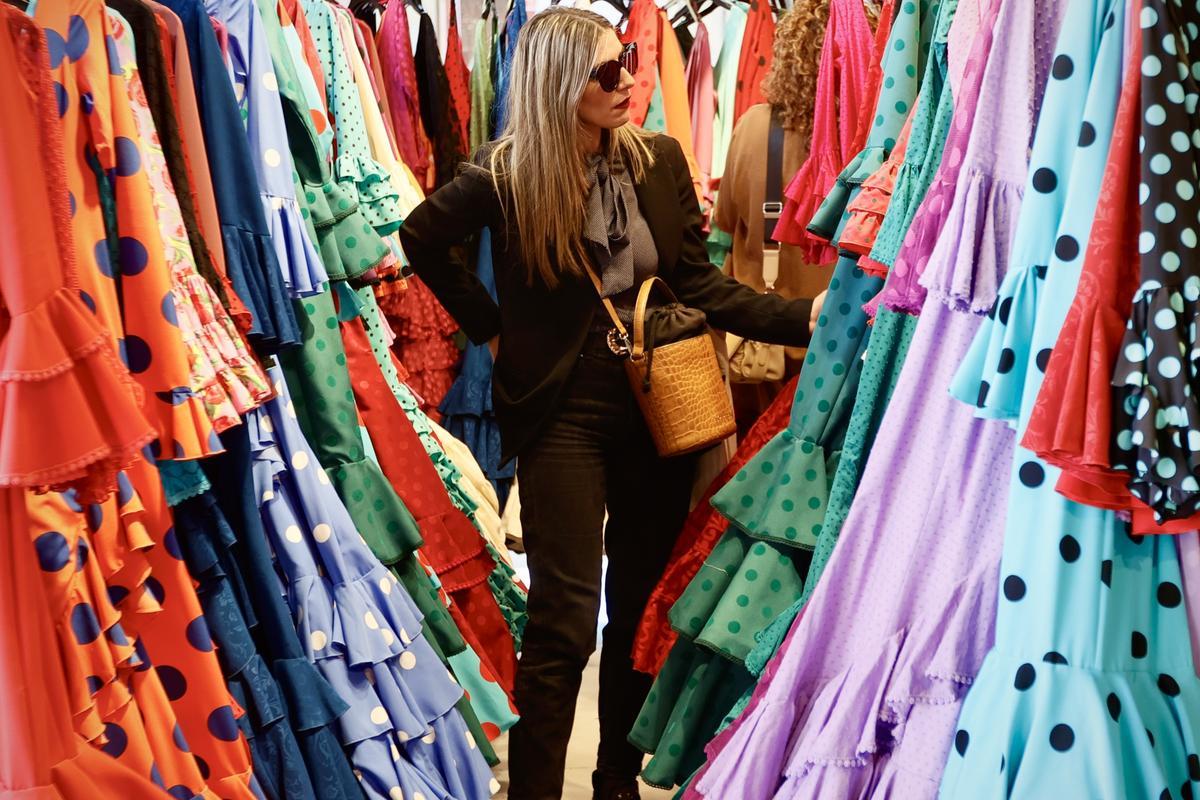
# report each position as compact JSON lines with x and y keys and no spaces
{"x":754,"y":61}
{"x":98,"y":124}
{"x":676,"y":109}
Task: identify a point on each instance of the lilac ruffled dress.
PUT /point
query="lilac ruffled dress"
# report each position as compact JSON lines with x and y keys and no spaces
{"x":863,"y":697}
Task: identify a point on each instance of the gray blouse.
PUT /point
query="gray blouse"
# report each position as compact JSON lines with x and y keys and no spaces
{"x":617,"y":236}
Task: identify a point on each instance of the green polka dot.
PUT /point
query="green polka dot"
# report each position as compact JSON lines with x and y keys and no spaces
{"x":807,"y":447}
{"x":776,"y":585}
{"x":791,"y":532}
{"x":822,"y":321}
{"x":331,"y":382}
{"x":887,"y":84}
{"x":759,"y":549}
{"x":785,"y":479}
{"x":767,"y":612}
{"x":901,"y":107}
{"x":816,"y":529}
{"x":695,"y":623}
{"x":340,"y":358}
{"x":310,"y":197}
{"x":834,"y":284}
{"x":675,"y":750}
{"x":378,"y":505}
{"x":788,"y":506}
{"x":734,"y":627}
{"x":706,"y":585}
{"x":811,"y":358}
{"x":741,"y":476}
{"x":889,"y":143}
{"x":819,"y":382}
{"x":814,"y":503}
{"x":331,"y":323}
{"x":767,"y":468}
{"x":747,"y":501}
{"x":751,"y":575}
{"x":351,"y":242}
{"x":879,"y":120}
{"x":899,"y":45}
{"x":810,"y":474}
{"x":743,"y":600}
{"x":911,"y":70}
{"x":321,"y":344}
{"x":838,"y":369}
{"x":310,"y":308}
{"x":823,"y":406}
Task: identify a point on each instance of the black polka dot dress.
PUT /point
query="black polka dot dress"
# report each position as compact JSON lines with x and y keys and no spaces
{"x":1156,"y":421}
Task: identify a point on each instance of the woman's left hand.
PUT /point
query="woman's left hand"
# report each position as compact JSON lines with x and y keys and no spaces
{"x":818,"y":303}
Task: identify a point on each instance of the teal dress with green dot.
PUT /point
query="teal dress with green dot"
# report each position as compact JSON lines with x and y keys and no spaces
{"x":777,"y":503}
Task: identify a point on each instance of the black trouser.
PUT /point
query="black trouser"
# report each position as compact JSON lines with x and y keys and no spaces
{"x":595,"y":454}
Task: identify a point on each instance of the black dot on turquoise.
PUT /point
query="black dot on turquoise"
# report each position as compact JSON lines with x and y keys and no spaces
{"x":1185,"y":791}
{"x":1150,"y":736}
{"x":981,"y":398}
{"x":1031,"y":474}
{"x":1043,"y":359}
{"x":1087,"y":134}
{"x":1063,"y":67}
{"x":1193,"y":762}
{"x":1139,"y":646}
{"x":1026,"y":674}
{"x":1169,"y":595}
{"x":1014,"y":588}
{"x":1054,"y":657}
{"x":1168,"y":685}
{"x":1066,"y":248}
{"x":1068,"y":548}
{"x":1114,"y":707}
{"x":1008,"y":360}
{"x":961,"y":740}
{"x":1005,"y":310}
{"x":1062,"y":737}
{"x":1044,"y":180}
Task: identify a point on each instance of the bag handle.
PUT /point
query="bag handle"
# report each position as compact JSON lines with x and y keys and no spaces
{"x":772,"y":207}
{"x":637,"y":344}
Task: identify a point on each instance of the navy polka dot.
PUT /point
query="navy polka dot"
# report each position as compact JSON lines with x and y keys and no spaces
{"x":1026,"y":674}
{"x":53,"y":551}
{"x":155,"y":589}
{"x":84,"y":624}
{"x":168,"y":310}
{"x":1066,"y":248}
{"x":129,"y":157}
{"x":143,"y":659}
{"x":94,"y":684}
{"x":1008,"y":360}
{"x":180,"y":739}
{"x":1062,"y":738}
{"x":1054,"y":657}
{"x":95,"y":517}
{"x":1193,"y":762}
{"x":1044,"y":180}
{"x":100,"y":254}
{"x":1068,"y":548}
{"x":1106,"y":568}
{"x":1031,"y":474}
{"x":1087,"y":135}
{"x":171,"y":543}
{"x":135,"y":353}
{"x":181,"y":792}
{"x":70,"y":497}
{"x":173,"y":681}
{"x":205,"y":771}
{"x":134,"y":257}
{"x":1042,"y":359}
{"x":1014,"y":588}
{"x":124,"y":489}
{"x":117,"y":740}
{"x":56,"y":46}
{"x":60,"y":97}
{"x":78,"y":38}
{"x":117,"y":594}
{"x":981,"y":399}
{"x":156,"y":776}
{"x":222,"y":724}
{"x":1063,"y":67}
{"x":1114,"y":707}
{"x":81,"y":555}
{"x":198,"y":636}
{"x":1005,"y":310}
{"x":961,"y":740}
{"x":116,"y":635}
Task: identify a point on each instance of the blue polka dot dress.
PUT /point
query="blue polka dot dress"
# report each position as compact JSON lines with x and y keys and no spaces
{"x":361,"y":629}
{"x":1090,"y":689}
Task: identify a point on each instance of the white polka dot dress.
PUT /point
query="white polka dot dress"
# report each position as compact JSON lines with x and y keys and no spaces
{"x":1090,"y":690}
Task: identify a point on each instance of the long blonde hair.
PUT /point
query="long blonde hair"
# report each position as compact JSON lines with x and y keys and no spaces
{"x":538,"y":165}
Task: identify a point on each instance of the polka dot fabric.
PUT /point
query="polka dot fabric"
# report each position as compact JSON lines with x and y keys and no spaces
{"x":1087,"y":666}
{"x":1154,"y":411}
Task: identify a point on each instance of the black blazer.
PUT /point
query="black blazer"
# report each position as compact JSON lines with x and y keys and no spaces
{"x":542,"y":330}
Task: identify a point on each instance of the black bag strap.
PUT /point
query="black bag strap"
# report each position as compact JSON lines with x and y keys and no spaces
{"x":773,"y":200}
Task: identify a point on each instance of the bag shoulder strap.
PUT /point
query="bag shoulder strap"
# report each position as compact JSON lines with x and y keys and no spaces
{"x":772,"y":207}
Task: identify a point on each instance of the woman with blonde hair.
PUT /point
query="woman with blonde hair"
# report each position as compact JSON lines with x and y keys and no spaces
{"x":570,"y":187}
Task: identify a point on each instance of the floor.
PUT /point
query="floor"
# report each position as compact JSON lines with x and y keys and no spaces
{"x":581,"y":756}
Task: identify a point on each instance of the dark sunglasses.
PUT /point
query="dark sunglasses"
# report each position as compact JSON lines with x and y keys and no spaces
{"x":608,"y":74}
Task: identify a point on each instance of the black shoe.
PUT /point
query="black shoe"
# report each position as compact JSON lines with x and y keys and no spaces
{"x":605,"y":787}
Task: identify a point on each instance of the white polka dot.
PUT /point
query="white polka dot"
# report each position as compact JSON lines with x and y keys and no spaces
{"x":1134,"y":352}
{"x":407,"y":660}
{"x":1190,"y":102}
{"x":291,"y":409}
{"x":293,"y":534}
{"x":1149,"y":17}
{"x":430,"y":737}
{"x":1143,"y":193}
{"x":322,"y":532}
{"x":402,"y":736}
{"x":1164,"y":212}
{"x":493,"y":786}
{"x":1165,"y":468}
{"x":1168,"y":44}
{"x":379,"y":715}
{"x":370,"y":621}
{"x":1189,"y":484}
{"x":1160,"y":164}
{"x":1175,"y":93}
{"x":1170,"y":261}
{"x":268,"y":495}
{"x":1194,"y":440}
{"x":299,"y":459}
{"x":322,"y":477}
{"x":418,"y":796}
{"x":1145,"y":242}
{"x":1151,"y":66}
{"x":395,"y":753}
{"x":405,"y":638}
{"x":1187,"y":237}
{"x":1184,"y":190}
{"x":388,"y":636}
{"x":1181,"y":141}
{"x":470,"y":740}
{"x":385,"y":586}
{"x":1156,"y":115}
{"x":269,"y":82}
{"x":1191,"y":288}
{"x":318,"y":640}
{"x":266,"y":423}
{"x":271,"y":157}
{"x":1165,"y":319}
{"x":1169,"y":367}
{"x":396,"y":793}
